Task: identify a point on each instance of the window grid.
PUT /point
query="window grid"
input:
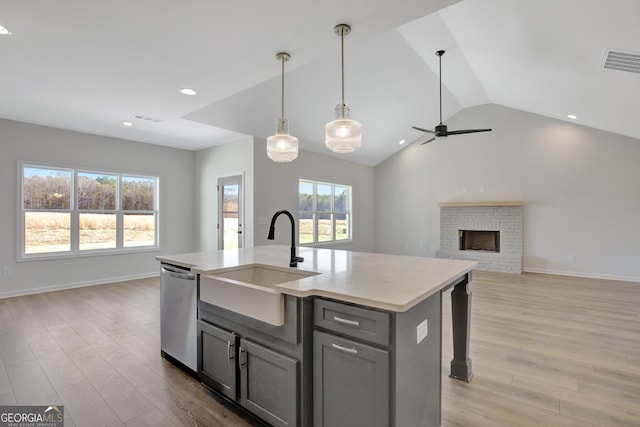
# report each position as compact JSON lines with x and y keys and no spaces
{"x":324,"y":212}
{"x":69,"y":212}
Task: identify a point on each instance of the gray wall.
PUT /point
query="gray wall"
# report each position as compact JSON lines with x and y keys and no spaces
{"x":579,"y":186}
{"x":276,"y":187}
{"x":232,"y":158}
{"x":33,"y":143}
{"x":188,"y":203}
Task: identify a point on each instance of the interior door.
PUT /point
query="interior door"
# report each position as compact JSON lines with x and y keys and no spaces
{"x":230,"y":212}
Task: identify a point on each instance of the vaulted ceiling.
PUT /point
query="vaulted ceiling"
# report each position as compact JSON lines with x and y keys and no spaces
{"x":88,"y":66}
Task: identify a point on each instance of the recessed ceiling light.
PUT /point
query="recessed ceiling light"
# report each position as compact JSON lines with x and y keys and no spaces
{"x":572,"y":116}
{"x":187,"y":91}
{"x":126,"y":123}
{"x":4,"y":31}
{"x":402,"y":141}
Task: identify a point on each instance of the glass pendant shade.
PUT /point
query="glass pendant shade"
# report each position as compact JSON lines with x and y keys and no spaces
{"x":343,"y":135}
{"x":282,"y":147}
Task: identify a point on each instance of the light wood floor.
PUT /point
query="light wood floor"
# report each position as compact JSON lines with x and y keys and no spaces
{"x":546,"y":351}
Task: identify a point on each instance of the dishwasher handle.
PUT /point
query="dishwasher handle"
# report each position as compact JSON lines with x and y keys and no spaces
{"x":177,"y":273}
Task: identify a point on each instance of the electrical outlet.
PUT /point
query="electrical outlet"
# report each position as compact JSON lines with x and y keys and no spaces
{"x":7,"y":272}
{"x":572,"y":258}
{"x":422,"y":330}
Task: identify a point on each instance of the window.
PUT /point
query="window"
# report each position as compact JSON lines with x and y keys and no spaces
{"x":325,"y":212}
{"x":72,"y":212}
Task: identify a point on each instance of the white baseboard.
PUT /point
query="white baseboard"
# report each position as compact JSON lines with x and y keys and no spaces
{"x":581,"y":274}
{"x":23,"y":292}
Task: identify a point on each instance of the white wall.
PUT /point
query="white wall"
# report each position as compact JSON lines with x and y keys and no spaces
{"x":232,"y":158}
{"x":276,"y":187}
{"x":580,"y":187}
{"x":32,"y":143}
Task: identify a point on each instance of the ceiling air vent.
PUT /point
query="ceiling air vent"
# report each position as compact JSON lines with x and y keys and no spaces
{"x":146,"y":118}
{"x":622,"y":61}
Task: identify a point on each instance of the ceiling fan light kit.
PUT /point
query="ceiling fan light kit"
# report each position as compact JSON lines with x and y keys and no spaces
{"x":282,"y":147}
{"x":343,"y":135}
{"x":441,"y":131}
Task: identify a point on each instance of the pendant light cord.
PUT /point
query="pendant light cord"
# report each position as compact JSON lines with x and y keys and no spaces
{"x":282,"y":112}
{"x":342,"y":60}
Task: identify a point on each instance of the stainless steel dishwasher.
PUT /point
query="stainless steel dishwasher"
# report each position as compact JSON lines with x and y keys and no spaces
{"x":179,"y":314}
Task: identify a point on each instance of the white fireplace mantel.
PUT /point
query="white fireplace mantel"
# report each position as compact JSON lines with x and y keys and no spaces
{"x":473,"y":204}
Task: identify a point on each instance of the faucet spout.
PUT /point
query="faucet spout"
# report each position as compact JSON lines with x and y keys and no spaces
{"x":272,"y":234}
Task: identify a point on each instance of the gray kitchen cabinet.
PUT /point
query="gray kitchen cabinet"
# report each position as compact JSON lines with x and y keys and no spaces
{"x":269,"y":365}
{"x":268,"y":384}
{"x":262,"y":380}
{"x":217,"y":355}
{"x":331,"y":364}
{"x":351,"y":383}
{"x":376,"y":368}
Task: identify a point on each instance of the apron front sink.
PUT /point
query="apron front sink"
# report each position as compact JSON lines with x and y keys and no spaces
{"x":249,"y":290}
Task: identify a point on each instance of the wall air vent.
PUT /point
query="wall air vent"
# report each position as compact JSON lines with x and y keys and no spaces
{"x":146,"y":118}
{"x":622,"y":61}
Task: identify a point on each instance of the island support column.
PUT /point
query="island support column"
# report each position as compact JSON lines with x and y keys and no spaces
{"x":461,"y":321}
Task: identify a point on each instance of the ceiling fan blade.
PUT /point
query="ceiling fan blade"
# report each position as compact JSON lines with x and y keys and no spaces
{"x":460,"y":132}
{"x":428,"y":140}
{"x":422,"y":129}
{"x":441,"y":129}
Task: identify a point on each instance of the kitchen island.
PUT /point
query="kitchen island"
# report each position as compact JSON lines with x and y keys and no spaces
{"x":359,"y":341}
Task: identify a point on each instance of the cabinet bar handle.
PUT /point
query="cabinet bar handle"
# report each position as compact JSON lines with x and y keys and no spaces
{"x":347,"y":349}
{"x":346,"y":321}
{"x":229,"y":353}
{"x":243,"y":357}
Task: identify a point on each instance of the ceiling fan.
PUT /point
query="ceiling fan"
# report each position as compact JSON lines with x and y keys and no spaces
{"x":440,"y":130}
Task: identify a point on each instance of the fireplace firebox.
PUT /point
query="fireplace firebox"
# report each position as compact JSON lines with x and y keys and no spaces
{"x":479,"y":240}
{"x":503,"y":253}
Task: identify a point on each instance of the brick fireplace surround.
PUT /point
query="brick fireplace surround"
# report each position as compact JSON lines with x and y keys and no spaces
{"x":505,"y":217}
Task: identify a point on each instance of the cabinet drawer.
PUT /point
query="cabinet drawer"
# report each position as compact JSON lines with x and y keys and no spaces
{"x":357,"y":322}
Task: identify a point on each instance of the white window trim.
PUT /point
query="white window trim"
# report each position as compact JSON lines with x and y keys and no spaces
{"x":349,"y":213}
{"x":75,"y":252}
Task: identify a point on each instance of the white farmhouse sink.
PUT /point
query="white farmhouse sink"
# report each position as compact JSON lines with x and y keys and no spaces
{"x":249,"y":290}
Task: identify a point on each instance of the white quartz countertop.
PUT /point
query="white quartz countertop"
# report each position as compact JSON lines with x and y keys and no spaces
{"x":390,"y":282}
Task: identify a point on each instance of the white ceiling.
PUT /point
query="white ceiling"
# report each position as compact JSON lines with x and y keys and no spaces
{"x":88,"y":65}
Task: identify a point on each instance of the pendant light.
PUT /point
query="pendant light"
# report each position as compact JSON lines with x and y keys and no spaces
{"x":282,"y":147}
{"x":343,"y":135}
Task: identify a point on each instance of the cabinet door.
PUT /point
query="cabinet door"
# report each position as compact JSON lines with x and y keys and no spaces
{"x":269,"y":384}
{"x":350,"y":383}
{"x":217,"y":357}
